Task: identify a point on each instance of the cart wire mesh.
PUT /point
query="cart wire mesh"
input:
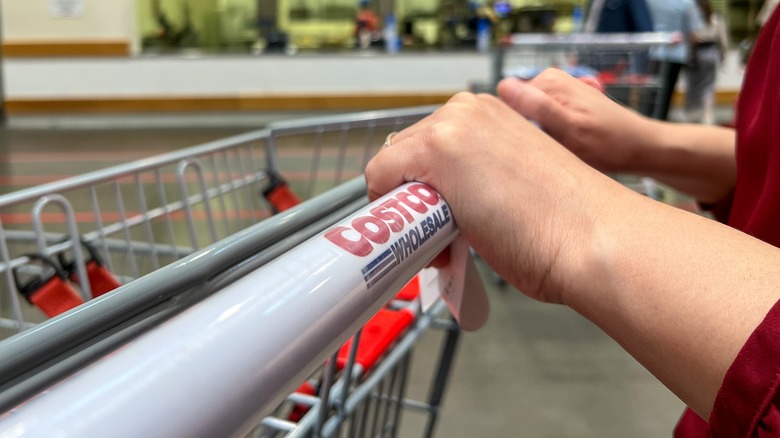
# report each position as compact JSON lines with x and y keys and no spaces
{"x":630,"y":67}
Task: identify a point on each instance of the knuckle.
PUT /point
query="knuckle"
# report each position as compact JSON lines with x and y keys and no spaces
{"x":442,"y":135}
{"x":462,"y":97}
{"x":487,"y":98}
{"x":553,"y":73}
{"x":455,"y":110}
{"x":549,"y":76}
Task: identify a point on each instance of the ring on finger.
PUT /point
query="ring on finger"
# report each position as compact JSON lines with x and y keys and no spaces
{"x":389,"y":140}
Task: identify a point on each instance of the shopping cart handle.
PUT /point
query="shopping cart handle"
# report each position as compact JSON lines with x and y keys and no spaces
{"x":234,"y":356}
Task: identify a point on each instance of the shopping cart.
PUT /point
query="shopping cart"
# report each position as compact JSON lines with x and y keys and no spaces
{"x":623,"y":63}
{"x":177,"y":228}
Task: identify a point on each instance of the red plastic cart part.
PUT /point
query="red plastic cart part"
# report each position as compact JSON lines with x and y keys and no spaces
{"x":279,"y":195}
{"x":607,"y":77}
{"x":282,"y":198}
{"x":377,"y":335}
{"x":411,"y":291}
{"x":55,"y":297}
{"x":101,"y":281}
{"x":299,"y":410}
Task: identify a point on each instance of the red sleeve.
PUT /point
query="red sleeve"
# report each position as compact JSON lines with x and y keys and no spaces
{"x":721,"y":210}
{"x":748,"y":403}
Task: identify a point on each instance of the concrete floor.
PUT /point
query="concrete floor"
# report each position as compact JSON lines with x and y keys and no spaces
{"x":534,"y":371}
{"x":538,"y":370}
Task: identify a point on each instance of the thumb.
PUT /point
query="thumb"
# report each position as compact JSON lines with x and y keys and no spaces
{"x":533,"y":104}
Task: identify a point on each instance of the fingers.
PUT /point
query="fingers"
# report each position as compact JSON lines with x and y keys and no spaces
{"x":534,"y":104}
{"x":394,"y":165}
{"x":407,"y":157}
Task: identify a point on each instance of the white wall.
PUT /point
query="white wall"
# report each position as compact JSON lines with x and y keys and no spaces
{"x":242,"y":76}
{"x":235,"y":76}
{"x":31,"y":20}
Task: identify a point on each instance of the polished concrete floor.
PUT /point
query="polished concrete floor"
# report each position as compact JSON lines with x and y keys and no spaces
{"x":534,"y":371}
{"x":538,"y":370}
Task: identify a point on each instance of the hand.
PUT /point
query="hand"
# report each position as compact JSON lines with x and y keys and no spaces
{"x":601,"y":132}
{"x":525,"y":203}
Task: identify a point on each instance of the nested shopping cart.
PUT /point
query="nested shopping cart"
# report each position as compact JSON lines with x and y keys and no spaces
{"x":627,"y":65}
{"x":97,"y":264}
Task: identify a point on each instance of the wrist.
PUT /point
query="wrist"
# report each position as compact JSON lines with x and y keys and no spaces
{"x":583,"y":270}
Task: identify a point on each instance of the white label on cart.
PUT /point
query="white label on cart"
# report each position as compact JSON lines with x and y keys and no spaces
{"x":394,"y":230}
{"x":460,"y":286}
{"x":429,"y":287}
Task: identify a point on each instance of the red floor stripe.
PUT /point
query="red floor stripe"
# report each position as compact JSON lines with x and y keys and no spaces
{"x":167,"y":178}
{"x":112,"y":217}
{"x":99,"y":157}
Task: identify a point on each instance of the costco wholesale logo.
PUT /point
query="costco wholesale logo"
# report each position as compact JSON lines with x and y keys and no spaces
{"x":392,"y":216}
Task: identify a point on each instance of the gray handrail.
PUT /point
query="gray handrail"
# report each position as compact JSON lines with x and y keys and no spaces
{"x":32,"y":348}
{"x":617,"y":40}
{"x":360,"y":119}
{"x":68,"y":363}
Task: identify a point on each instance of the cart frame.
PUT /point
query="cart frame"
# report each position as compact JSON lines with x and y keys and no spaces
{"x":33,"y":360}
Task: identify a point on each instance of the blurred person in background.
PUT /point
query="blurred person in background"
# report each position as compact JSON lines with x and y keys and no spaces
{"x":366,"y":26}
{"x":746,"y":46}
{"x":618,"y":16}
{"x":682,"y":18}
{"x":708,"y":53}
{"x":449,"y":23}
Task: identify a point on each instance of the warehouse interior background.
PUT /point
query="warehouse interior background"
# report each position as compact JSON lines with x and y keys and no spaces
{"x":219,"y":55}
{"x":87,"y":84}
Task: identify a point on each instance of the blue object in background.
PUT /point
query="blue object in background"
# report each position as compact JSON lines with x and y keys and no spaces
{"x":392,"y":42}
{"x":502,"y":8}
{"x":528,"y":73}
{"x":577,"y":19}
{"x":483,"y":34}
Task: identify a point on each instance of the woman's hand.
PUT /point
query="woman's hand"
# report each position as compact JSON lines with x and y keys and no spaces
{"x":603,"y":133}
{"x":696,"y":160}
{"x":525,"y":203}
{"x":680,"y":292}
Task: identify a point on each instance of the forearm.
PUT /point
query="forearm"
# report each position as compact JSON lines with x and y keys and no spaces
{"x":680,"y":293}
{"x":694,"y":159}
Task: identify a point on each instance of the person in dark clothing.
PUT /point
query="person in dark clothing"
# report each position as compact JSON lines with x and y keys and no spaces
{"x":618,"y":16}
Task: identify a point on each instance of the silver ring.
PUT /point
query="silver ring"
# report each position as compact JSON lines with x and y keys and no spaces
{"x":389,"y":139}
